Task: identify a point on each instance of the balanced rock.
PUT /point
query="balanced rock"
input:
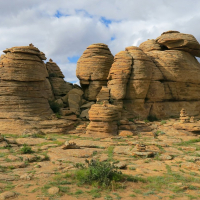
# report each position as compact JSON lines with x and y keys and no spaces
{"x":180,"y":41}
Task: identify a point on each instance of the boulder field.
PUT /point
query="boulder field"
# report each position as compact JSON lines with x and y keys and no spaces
{"x":155,"y":80}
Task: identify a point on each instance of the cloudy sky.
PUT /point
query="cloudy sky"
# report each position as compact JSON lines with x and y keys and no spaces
{"x":63,"y":29}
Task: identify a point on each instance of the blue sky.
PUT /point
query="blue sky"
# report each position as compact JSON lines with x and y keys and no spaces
{"x":63,"y":29}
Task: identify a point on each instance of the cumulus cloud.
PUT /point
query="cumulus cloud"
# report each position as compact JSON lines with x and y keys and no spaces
{"x":62,"y":29}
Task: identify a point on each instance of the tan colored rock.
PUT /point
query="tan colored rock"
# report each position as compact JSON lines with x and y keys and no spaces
{"x":75,"y":100}
{"x":85,"y":114}
{"x":92,"y":89}
{"x":180,"y":41}
{"x":150,"y":45}
{"x":94,"y":65}
{"x":59,"y":86}
{"x":104,"y":94}
{"x":125,"y":133}
{"x":25,"y":91}
{"x":105,"y":113}
{"x":53,"y":190}
{"x":53,"y":69}
{"x":119,"y":74}
{"x":103,"y":120}
{"x":7,"y":195}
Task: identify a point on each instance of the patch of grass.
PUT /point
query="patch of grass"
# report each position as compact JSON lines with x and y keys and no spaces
{"x":137,"y":191}
{"x":95,"y":193}
{"x":101,"y":174}
{"x":132,"y":168}
{"x":110,"y":152}
{"x":163,"y":122}
{"x":26,"y":149}
{"x":189,"y":142}
{"x":97,"y":173}
{"x":78,"y":192}
{"x":146,"y":121}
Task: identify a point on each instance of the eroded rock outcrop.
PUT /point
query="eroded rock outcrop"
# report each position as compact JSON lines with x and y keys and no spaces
{"x":25,"y":91}
{"x":93,"y":69}
{"x":157,"y":78}
{"x":103,"y":120}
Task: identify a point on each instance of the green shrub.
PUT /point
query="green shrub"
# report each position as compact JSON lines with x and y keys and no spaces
{"x":26,"y":149}
{"x":152,"y":118}
{"x":163,"y":122}
{"x":54,"y":106}
{"x":96,"y":172}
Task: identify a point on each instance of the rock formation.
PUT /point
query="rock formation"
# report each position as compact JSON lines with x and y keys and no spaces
{"x":103,"y":120}
{"x":25,"y":91}
{"x":156,"y":79}
{"x":93,"y":68}
{"x":59,"y":86}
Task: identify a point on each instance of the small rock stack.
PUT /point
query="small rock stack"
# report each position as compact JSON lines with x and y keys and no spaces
{"x":103,"y":120}
{"x":93,"y":69}
{"x":184,"y":118}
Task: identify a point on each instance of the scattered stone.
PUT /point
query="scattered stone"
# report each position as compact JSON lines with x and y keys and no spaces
{"x":26,"y":177}
{"x":70,"y":145}
{"x":121,"y":165}
{"x":53,"y":190}
{"x":7,"y":195}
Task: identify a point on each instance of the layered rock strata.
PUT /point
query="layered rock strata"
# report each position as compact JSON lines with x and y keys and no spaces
{"x":59,"y":86}
{"x":25,"y":91}
{"x":103,"y":120}
{"x":93,"y":68}
{"x":157,"y":78}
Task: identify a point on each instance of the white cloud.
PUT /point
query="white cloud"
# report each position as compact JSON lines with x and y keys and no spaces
{"x":133,"y":21}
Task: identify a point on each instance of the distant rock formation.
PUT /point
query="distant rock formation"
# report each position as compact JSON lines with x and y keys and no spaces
{"x":156,"y":79}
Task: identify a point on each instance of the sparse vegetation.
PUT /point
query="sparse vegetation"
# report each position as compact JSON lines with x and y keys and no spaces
{"x":54,"y":106}
{"x":26,"y":149}
{"x":152,"y":118}
{"x":97,"y":173}
{"x":163,"y":122}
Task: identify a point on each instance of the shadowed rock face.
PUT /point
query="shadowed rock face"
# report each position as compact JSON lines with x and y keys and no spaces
{"x":157,"y":78}
{"x":93,"y":69}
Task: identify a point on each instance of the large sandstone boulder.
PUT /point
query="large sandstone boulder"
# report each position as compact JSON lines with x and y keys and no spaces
{"x":93,"y":69}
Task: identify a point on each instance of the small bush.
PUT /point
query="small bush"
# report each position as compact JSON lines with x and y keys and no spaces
{"x":152,"y":118}
{"x":54,"y":106}
{"x":26,"y":149}
{"x":163,"y":122}
{"x":53,"y":75}
{"x":100,"y":173}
